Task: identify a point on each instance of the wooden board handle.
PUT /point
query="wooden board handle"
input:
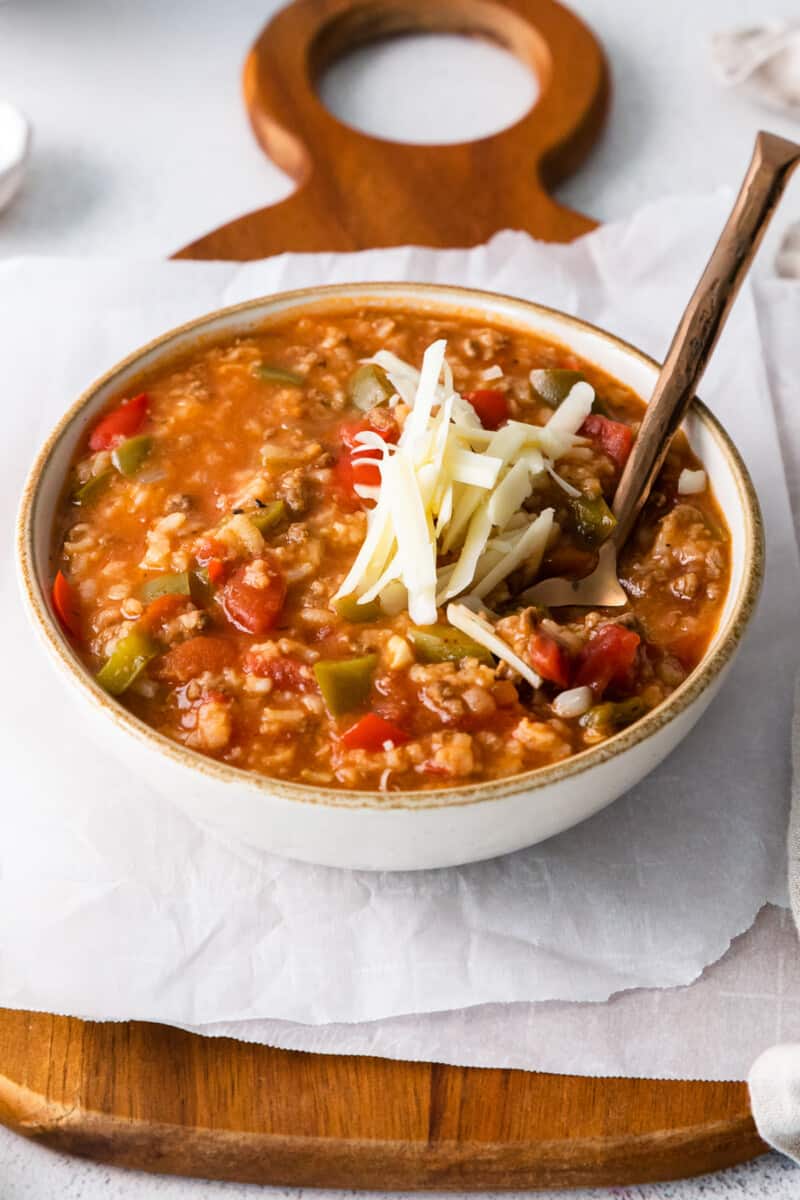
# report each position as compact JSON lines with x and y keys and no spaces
{"x":356,"y":191}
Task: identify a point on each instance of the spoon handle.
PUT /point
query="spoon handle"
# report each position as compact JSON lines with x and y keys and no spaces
{"x":772,"y":163}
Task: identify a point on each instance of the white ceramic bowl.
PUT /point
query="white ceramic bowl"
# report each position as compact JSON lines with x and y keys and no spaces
{"x":399,"y":830}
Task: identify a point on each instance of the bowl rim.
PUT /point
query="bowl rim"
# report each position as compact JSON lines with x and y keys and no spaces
{"x":443,"y":296}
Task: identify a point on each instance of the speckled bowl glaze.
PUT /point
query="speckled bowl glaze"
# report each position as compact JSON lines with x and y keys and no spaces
{"x":399,"y":830}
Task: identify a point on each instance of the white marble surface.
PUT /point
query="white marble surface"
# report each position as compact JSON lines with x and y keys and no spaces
{"x":141,"y":144}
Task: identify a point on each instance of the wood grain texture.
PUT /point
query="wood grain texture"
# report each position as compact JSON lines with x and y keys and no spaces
{"x":355,"y":191}
{"x":157,"y":1099}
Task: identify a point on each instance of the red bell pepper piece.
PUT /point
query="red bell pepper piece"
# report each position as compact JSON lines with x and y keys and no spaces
{"x":66,"y":605}
{"x":121,"y":423}
{"x":607,"y":658}
{"x":216,"y":571}
{"x":613,"y":437}
{"x":373,"y":733}
{"x":549,"y":659}
{"x":213,"y":554}
{"x":355,"y":468}
{"x":491,"y":405}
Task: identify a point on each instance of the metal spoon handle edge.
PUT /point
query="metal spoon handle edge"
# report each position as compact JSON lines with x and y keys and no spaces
{"x":772,"y":163}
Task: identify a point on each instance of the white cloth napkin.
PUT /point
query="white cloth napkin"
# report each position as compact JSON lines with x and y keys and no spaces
{"x":775,"y":1076}
{"x":115,"y":905}
{"x":762,"y":60}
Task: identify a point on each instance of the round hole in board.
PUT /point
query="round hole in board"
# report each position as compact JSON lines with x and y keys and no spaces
{"x":428,"y":88}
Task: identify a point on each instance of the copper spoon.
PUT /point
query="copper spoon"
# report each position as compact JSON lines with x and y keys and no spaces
{"x":773,"y":161}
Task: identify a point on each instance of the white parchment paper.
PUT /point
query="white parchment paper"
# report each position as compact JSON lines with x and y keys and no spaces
{"x":114,"y":904}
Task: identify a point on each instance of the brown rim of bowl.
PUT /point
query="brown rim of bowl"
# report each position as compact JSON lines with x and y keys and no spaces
{"x":683,"y":696}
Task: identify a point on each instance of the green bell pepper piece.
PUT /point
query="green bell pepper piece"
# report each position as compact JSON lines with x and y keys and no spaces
{"x":201,"y":589}
{"x":615,"y":715}
{"x":345,"y":682}
{"x":593,"y":520}
{"x":349,"y":609}
{"x":269,"y":516}
{"x":129,"y":455}
{"x":554,"y":384}
{"x":127,"y":661}
{"x":166,"y":585}
{"x":368,"y":386}
{"x":273,"y":374}
{"x":443,"y":643}
{"x":195,"y":584}
{"x":88,"y":492}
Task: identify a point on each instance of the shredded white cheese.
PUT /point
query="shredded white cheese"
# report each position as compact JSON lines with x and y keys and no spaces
{"x":509,"y":496}
{"x":451,"y":487}
{"x":574,"y":409}
{"x":479,"y":629}
{"x":690,"y":483}
{"x":529,"y":547}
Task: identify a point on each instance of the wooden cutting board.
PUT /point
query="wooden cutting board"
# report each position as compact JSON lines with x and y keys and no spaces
{"x":151,"y":1097}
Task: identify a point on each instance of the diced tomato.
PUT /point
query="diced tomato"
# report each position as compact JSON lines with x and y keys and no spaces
{"x":491,"y":405}
{"x":253,"y":597}
{"x":373,"y":733}
{"x":549,"y":659}
{"x":66,"y":605}
{"x":162,"y":609}
{"x":613,"y":437}
{"x":209,"y":548}
{"x":607,"y":658}
{"x":189,"y":659}
{"x":216,"y":571}
{"x":122,"y":422}
{"x":288,"y":674}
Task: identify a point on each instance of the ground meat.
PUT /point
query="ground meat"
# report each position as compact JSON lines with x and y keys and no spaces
{"x":684,"y":538}
{"x":180,"y":502}
{"x":454,"y":756}
{"x":383,"y":420}
{"x":542,"y":739}
{"x":517,"y":629}
{"x":451,"y":691}
{"x":294,"y":488}
{"x":210,"y":725}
